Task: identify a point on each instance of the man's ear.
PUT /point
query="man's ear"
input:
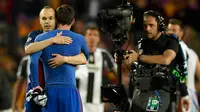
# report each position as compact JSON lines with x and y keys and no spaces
{"x":181,"y":35}
{"x":73,"y":22}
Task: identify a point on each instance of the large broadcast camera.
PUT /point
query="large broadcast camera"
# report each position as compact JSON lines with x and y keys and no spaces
{"x":117,"y":22}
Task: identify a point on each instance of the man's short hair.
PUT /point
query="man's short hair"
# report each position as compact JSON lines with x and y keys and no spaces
{"x":176,"y":22}
{"x":91,"y":27}
{"x":47,"y":7}
{"x":65,"y":14}
{"x":154,"y":14}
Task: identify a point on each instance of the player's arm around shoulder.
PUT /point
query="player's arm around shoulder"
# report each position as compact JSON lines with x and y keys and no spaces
{"x":40,"y":45}
{"x":79,"y":59}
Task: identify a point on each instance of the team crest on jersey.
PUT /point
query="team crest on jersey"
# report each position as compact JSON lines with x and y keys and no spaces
{"x":29,"y":39}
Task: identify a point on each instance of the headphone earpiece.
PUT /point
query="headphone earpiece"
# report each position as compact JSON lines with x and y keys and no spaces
{"x":161,"y":24}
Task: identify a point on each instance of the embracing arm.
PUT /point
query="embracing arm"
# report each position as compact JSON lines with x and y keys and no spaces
{"x":74,"y":60}
{"x":37,"y":46}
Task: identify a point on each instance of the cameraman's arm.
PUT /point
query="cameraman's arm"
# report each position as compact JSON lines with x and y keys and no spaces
{"x":164,"y":59}
{"x":171,"y":49}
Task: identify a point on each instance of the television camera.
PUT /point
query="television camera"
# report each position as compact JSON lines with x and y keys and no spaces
{"x":117,"y":22}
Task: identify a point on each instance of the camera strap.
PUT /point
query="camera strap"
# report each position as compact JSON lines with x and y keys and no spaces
{"x":179,"y":72}
{"x":159,"y":98}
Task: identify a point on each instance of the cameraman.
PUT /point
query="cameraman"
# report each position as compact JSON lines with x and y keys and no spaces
{"x":156,"y":92}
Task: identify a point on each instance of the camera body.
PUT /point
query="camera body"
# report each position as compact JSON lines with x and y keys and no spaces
{"x":117,"y":22}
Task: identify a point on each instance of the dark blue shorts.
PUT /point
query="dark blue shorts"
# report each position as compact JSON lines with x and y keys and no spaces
{"x":63,"y":99}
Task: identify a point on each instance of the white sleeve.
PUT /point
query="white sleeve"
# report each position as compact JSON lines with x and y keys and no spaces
{"x":20,"y":66}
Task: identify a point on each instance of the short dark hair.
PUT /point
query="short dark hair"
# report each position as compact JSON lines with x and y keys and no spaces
{"x":174,"y":21}
{"x":91,"y":27}
{"x":154,"y":14}
{"x":48,"y":7}
{"x":65,"y":14}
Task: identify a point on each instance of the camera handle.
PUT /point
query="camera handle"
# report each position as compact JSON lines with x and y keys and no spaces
{"x":120,"y":54}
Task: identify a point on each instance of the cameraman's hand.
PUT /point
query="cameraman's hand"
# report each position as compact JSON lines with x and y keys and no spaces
{"x":131,"y":57}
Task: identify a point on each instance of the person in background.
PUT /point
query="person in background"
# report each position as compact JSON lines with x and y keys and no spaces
{"x":176,"y":27}
{"x":100,"y":70}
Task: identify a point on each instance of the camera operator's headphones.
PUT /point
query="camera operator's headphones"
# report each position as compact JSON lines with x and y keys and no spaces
{"x":159,"y":18}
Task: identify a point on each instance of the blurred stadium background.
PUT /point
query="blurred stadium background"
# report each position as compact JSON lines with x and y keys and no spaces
{"x":19,"y":17}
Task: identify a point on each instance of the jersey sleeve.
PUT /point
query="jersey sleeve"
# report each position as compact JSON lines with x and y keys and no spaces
{"x":22,"y":68}
{"x":173,"y":45}
{"x":39,"y":37}
{"x":34,"y":58}
{"x":31,"y":37}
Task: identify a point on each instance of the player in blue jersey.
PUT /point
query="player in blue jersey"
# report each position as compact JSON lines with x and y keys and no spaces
{"x":47,"y":21}
{"x":60,"y":83}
